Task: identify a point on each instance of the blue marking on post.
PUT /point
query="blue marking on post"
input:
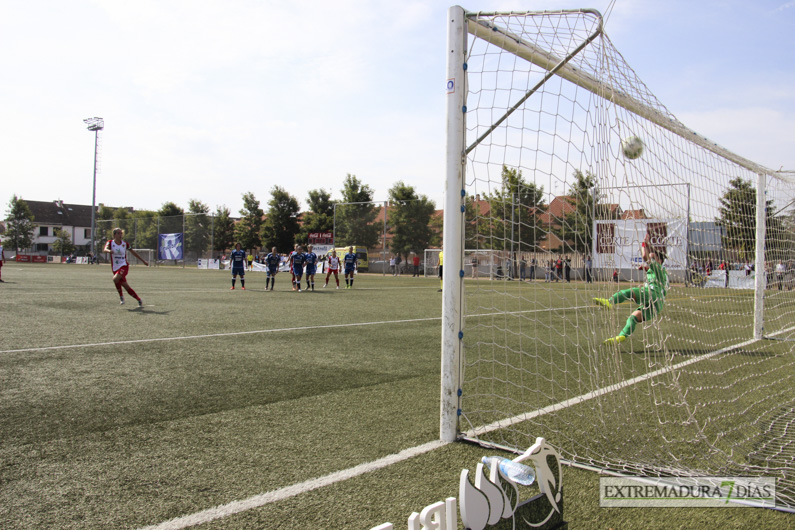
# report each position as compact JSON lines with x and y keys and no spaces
{"x":461,"y":274}
{"x":464,"y":109}
{"x":460,"y":392}
{"x":463,"y":209}
{"x":460,"y":335}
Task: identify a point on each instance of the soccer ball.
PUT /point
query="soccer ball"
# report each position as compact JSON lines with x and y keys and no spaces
{"x":632,"y":147}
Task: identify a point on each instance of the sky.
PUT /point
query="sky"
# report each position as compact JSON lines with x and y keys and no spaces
{"x":207,"y":100}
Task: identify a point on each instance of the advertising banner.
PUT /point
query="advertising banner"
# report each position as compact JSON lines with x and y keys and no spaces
{"x":617,"y":243}
{"x":169,"y":246}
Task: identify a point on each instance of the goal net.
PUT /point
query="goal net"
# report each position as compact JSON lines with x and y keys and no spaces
{"x":146,"y":253}
{"x":539,"y":104}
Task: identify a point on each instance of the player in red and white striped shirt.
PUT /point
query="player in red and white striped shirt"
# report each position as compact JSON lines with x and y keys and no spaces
{"x":333,"y":266}
{"x":118,"y":248}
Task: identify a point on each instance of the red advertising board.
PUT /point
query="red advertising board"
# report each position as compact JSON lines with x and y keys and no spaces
{"x":35,"y":259}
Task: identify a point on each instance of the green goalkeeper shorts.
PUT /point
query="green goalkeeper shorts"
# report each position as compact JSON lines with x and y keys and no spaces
{"x":651,"y":303}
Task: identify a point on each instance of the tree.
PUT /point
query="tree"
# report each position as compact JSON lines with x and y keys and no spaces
{"x":105,"y":219}
{"x":63,"y":242}
{"x":737,"y":217}
{"x":197,"y":227}
{"x":247,"y":231}
{"x":171,"y":218}
{"x":355,"y":221}
{"x":20,"y":228}
{"x":409,"y":218}
{"x":281,"y":224}
{"x":515,"y":208}
{"x":146,"y":223}
{"x":224,"y":229}
{"x":320,"y":217}
{"x":576,"y":230}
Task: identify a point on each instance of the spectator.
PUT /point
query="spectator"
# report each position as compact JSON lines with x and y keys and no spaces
{"x":588,"y":269}
{"x":398,"y":261}
{"x":522,"y":266}
{"x":567,"y":265}
{"x":416,"y":263}
{"x":615,"y":275}
{"x":780,"y":270}
{"x":548,"y":272}
{"x":474,"y":265}
{"x":559,"y":269}
{"x":533,"y":264}
{"x":392,"y":265}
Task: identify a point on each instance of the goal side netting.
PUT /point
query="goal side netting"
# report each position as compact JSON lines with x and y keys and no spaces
{"x":540,"y":110}
{"x":146,"y":253}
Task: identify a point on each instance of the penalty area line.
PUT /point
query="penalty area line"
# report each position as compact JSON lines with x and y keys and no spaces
{"x":258,"y":501}
{"x":260,"y":331}
{"x":213,"y":335}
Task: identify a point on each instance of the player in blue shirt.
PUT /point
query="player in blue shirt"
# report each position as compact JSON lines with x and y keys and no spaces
{"x":310,"y":258}
{"x":297,"y":264}
{"x":237,"y":259}
{"x":350,"y":260}
{"x":272,"y":261}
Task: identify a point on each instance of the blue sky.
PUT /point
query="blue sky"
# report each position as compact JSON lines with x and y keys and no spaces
{"x":210,"y":99}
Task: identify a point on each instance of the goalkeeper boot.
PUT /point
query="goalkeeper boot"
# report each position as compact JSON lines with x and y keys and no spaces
{"x":616,"y":340}
{"x":140,"y":303}
{"x":121,"y":300}
{"x":604,"y":302}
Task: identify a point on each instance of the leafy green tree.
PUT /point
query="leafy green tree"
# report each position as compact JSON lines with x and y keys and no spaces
{"x":576,"y":228}
{"x":737,"y":217}
{"x":320,"y":217}
{"x":514,"y":211}
{"x":105,"y":219}
{"x":63,"y":242}
{"x":409,"y":219}
{"x":123,"y":218}
{"x":197,"y":227}
{"x":355,"y":222}
{"x":247,"y":231}
{"x":281,"y":224}
{"x":223,"y":229}
{"x":171,"y":218}
{"x":146,"y":223}
{"x":20,"y":228}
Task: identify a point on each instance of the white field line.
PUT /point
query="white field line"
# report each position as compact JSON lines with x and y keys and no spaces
{"x":257,"y":501}
{"x":261,"y":331}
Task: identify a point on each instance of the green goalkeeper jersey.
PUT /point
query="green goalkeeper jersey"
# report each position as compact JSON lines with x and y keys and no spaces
{"x":657,"y":279}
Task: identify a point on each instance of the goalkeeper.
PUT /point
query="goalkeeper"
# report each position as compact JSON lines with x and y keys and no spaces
{"x":650,"y":297}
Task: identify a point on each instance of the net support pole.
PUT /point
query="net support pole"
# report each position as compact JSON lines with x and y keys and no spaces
{"x":759,"y":263}
{"x":454,"y":207}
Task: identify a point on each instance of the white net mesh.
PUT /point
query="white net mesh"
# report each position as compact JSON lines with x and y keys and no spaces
{"x":691,"y":390}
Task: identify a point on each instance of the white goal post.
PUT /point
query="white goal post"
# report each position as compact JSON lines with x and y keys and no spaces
{"x":146,"y":253}
{"x":538,"y":104}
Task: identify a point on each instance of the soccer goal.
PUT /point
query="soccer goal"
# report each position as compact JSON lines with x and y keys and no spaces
{"x":556,"y":148}
{"x":146,"y":253}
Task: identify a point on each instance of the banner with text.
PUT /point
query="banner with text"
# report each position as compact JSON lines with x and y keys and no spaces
{"x":617,"y":243}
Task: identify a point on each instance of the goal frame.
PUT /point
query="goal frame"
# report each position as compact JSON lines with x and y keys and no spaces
{"x":460,"y":24}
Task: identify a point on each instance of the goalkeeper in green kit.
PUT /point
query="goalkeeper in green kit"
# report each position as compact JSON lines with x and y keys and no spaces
{"x":650,"y":298}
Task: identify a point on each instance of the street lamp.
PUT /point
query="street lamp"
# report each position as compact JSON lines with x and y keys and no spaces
{"x":94,"y":124}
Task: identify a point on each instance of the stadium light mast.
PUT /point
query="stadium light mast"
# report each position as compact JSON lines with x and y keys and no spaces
{"x":94,"y":124}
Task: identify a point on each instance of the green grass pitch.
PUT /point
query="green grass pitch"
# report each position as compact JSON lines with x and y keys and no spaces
{"x":117,"y":417}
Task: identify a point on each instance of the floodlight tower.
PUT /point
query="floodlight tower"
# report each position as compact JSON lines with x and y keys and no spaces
{"x":94,"y":124}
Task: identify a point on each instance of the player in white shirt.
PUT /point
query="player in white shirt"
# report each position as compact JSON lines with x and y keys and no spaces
{"x":118,"y":248}
{"x":333,"y":266}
